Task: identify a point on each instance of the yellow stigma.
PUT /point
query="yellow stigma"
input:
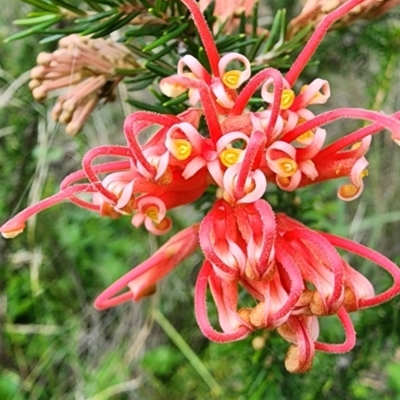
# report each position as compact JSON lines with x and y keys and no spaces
{"x":356,"y":145}
{"x":182,"y":149}
{"x":287,"y":99}
{"x":307,"y":137}
{"x":152,"y":212}
{"x":230,"y":157}
{"x":288,"y":167}
{"x":231,"y":79}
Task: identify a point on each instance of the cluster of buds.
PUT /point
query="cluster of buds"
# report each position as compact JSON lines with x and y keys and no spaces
{"x":88,"y":69}
{"x":314,"y":11}
{"x":294,"y":275}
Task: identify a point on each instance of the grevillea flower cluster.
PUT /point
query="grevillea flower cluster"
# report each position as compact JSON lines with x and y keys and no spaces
{"x":294,"y":274}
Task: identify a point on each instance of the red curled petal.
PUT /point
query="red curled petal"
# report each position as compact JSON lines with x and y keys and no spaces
{"x":321,"y":249}
{"x":316,"y":38}
{"x":376,"y":258}
{"x":296,"y":280}
{"x":254,"y":148}
{"x":349,"y":331}
{"x":205,"y":34}
{"x":91,"y":174}
{"x":200,"y":306}
{"x":142,"y":280}
{"x":16,"y":224}
{"x":353,"y":113}
{"x":74,"y":177}
{"x":267,"y":218}
{"x":299,"y":358}
{"x":207,"y":102}
{"x":252,"y":86}
{"x":207,"y":232}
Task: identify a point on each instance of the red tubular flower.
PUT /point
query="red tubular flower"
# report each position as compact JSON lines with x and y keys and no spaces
{"x":225,"y":294}
{"x":302,"y":332}
{"x":221,"y":241}
{"x":142,"y":280}
{"x":335,"y":283}
{"x":377,"y":259}
{"x":16,"y":225}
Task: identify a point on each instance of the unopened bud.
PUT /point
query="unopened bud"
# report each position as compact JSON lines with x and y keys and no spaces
{"x":44,"y":58}
{"x":38,"y":72}
{"x":34,"y":83}
{"x":39,"y":93}
{"x":65,"y":117}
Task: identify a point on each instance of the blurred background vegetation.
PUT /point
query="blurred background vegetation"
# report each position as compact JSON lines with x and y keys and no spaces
{"x":54,"y":345}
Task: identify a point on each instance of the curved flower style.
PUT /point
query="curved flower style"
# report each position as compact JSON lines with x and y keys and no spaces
{"x":293,"y":275}
{"x":314,"y":11}
{"x":143,"y":279}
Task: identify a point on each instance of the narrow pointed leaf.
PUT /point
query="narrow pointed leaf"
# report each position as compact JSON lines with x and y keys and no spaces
{"x":146,"y":30}
{"x":113,"y":27}
{"x":96,"y":17}
{"x":103,"y":24}
{"x":35,"y":20}
{"x":148,"y":107}
{"x":44,"y":5}
{"x":167,"y":37}
{"x":68,"y":6}
{"x":273,"y":32}
{"x":34,"y":29}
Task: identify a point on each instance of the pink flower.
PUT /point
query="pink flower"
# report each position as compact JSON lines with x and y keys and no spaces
{"x":142,"y":280}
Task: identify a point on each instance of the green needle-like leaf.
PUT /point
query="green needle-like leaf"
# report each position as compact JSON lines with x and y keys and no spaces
{"x":191,"y":356}
{"x":169,"y":36}
{"x":254,"y":21}
{"x":148,"y":107}
{"x":96,"y":17}
{"x":34,"y":29}
{"x":256,"y":47}
{"x":35,"y":20}
{"x":163,"y":52}
{"x":159,"y":71}
{"x":177,"y":100}
{"x":43,"y":5}
{"x":103,"y":24}
{"x":146,"y":30}
{"x":273,"y":32}
{"x":113,"y":27}
{"x":52,"y":38}
{"x":68,"y":6}
{"x":228,"y":41}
